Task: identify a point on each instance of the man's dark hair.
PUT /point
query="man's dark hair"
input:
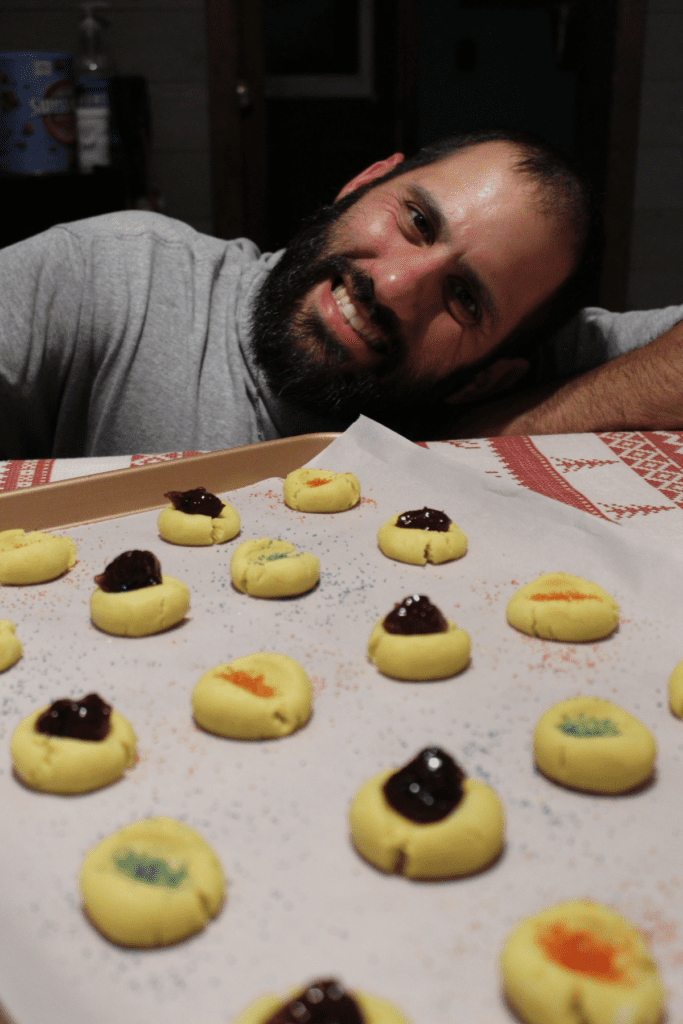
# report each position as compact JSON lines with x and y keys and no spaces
{"x":564,"y":194}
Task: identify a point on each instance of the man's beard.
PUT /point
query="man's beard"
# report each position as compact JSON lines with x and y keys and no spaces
{"x":303,"y":362}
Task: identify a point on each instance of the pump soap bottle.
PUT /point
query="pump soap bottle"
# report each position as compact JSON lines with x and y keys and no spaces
{"x":94,"y":69}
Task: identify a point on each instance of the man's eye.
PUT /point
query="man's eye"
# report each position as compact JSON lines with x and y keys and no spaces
{"x":462,"y":294}
{"x":419,"y":221}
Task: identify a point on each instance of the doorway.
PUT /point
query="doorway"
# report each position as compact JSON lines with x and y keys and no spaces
{"x":569,"y":69}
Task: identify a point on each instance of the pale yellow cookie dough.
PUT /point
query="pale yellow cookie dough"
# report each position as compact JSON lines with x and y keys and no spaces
{"x":579,"y":961}
{"x":60,"y":764}
{"x":140,"y":612}
{"x":419,"y":657}
{"x":321,"y":490}
{"x":559,"y":606}
{"x":465,"y":841}
{"x":258,"y":697}
{"x":592,"y":744}
{"x":374,"y":1009}
{"x":676,"y":690}
{"x":273,"y":568}
{"x":34,"y":557}
{"x":197,"y":530}
{"x":418,"y":547}
{"x":151,"y":883}
{"x":10,"y":645}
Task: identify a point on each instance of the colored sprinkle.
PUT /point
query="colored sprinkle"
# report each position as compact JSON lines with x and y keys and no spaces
{"x":582,"y":952}
{"x":248,"y":681}
{"x":565,"y":595}
{"x":582,"y":726}
{"x":318,"y":481}
{"x":152,"y":870}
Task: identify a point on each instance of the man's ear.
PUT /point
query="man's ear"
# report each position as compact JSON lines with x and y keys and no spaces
{"x":371,"y":173}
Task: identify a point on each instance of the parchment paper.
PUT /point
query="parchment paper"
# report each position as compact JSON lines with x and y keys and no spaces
{"x":300,"y":902}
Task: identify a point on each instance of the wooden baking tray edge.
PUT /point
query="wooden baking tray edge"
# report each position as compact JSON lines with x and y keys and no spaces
{"x":122,"y":492}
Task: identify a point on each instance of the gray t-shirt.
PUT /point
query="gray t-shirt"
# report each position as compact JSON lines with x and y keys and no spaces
{"x":594,"y":336}
{"x":130,"y":333}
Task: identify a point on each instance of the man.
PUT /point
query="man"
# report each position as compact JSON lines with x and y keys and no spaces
{"x":420,"y":275}
{"x":423,"y":286}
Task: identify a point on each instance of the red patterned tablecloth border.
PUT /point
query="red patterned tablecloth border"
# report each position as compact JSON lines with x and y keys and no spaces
{"x":535,"y":472}
{"x":656,"y":457}
{"x":151,"y":460}
{"x":18,"y":473}
{"x":25,"y":473}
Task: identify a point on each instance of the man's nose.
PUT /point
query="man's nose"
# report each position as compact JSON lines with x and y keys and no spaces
{"x":408,"y":282}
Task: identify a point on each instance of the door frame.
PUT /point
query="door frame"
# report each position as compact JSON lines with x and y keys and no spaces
{"x":237,"y":117}
{"x":622,"y":151}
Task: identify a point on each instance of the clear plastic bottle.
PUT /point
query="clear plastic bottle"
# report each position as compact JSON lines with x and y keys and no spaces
{"x":94,"y":69}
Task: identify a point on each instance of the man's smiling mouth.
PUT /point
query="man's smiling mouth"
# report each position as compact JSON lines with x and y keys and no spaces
{"x":364,"y":328}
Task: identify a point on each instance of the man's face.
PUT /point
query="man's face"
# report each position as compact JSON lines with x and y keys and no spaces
{"x":405,"y":283}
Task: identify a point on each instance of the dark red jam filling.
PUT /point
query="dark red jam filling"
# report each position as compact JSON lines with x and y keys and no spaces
{"x":424,"y":519}
{"x":414,"y":616}
{"x":85,"y":719}
{"x":324,"y":1001}
{"x":132,"y":570}
{"x":428,"y":788}
{"x":197,"y":502}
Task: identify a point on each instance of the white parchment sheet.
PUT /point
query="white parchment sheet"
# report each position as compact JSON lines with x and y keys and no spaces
{"x":300,"y":902}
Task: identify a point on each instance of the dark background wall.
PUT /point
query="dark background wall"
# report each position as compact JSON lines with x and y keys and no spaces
{"x":486,"y":66}
{"x":656,"y":263}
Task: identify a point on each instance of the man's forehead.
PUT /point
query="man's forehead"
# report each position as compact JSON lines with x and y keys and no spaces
{"x":480,"y":165}
{"x":478,"y":190}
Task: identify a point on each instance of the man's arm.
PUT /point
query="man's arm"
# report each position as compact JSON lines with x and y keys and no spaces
{"x":642,"y":389}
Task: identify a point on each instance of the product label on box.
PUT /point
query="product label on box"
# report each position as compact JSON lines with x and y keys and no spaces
{"x":37,"y":124}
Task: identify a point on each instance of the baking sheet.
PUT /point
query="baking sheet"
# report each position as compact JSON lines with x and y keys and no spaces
{"x":300,"y":902}
{"x":121,"y":492}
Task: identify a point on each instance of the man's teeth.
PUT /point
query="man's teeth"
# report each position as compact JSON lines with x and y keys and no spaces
{"x":350,"y":314}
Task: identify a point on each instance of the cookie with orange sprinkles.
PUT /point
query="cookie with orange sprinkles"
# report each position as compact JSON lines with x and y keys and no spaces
{"x":258,"y":697}
{"x":559,"y":606}
{"x":321,"y":490}
{"x":579,"y":961}
{"x":34,"y":557}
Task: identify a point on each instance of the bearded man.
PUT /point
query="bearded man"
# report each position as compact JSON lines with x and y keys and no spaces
{"x":429,"y":284}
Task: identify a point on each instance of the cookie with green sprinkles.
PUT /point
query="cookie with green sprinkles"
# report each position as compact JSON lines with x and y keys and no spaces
{"x":151,"y":883}
{"x":592,"y":744}
{"x":273,"y":568}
